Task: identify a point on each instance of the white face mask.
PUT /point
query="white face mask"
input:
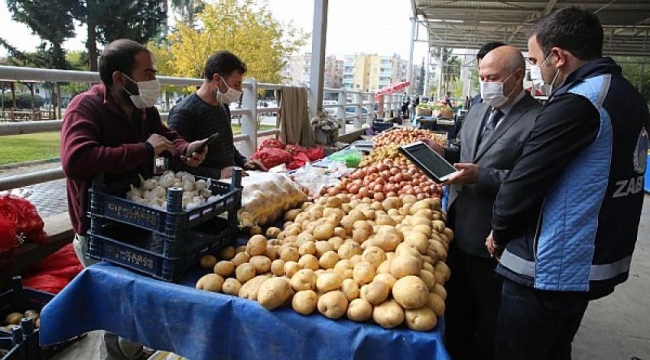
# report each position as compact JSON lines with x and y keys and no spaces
{"x":230,"y":96}
{"x":492,"y":93}
{"x":536,"y":73}
{"x":149,"y":92}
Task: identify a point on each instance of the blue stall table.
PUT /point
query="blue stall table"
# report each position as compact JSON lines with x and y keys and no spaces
{"x":201,"y":325}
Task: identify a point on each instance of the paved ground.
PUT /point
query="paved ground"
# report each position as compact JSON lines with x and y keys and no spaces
{"x":614,"y":328}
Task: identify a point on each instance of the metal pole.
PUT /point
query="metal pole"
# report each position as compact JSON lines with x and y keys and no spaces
{"x":318,"y":56}
{"x":409,"y":70}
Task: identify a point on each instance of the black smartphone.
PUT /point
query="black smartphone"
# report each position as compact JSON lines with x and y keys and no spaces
{"x":206,"y":142}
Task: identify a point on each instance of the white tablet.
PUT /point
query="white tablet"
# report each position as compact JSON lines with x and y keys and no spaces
{"x":429,"y":161}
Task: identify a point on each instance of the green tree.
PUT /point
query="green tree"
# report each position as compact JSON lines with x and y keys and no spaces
{"x":420,"y":85}
{"x":51,"y":21}
{"x":245,"y":28}
{"x":108,"y":20}
{"x":188,"y":9}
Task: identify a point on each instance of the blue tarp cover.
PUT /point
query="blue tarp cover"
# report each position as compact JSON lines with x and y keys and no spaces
{"x":201,"y":325}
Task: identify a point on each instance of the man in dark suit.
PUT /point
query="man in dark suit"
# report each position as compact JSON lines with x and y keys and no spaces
{"x":489,"y":144}
{"x":484,"y":50}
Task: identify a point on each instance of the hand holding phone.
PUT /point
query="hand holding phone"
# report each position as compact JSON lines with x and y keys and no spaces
{"x":209,"y":140}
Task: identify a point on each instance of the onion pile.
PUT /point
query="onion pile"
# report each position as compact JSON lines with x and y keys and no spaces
{"x":386,"y":179}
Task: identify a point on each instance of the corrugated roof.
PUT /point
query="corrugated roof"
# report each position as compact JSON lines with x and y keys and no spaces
{"x":470,"y":24}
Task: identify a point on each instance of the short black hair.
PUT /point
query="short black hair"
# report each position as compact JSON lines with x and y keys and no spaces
{"x":573,"y":29}
{"x":119,"y":55}
{"x":486,"y":48}
{"x":223,"y":63}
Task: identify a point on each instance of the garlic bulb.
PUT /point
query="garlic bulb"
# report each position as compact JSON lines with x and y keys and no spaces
{"x":188,"y":185}
{"x":200,"y":184}
{"x":149,"y":184}
{"x":166,"y":180}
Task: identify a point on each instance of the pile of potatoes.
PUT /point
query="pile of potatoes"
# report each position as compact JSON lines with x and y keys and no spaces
{"x":364,"y":259}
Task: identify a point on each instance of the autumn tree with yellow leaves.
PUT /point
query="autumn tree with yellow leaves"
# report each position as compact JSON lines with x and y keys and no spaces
{"x":244,"y":27}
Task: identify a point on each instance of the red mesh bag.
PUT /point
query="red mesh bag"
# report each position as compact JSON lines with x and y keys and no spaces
{"x":315,"y":153}
{"x":299,"y":160}
{"x":295,"y":149}
{"x":22,"y":213}
{"x":272,"y":143}
{"x":271,"y":157}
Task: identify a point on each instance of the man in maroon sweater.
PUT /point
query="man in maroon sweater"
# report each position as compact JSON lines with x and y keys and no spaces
{"x":113,"y":128}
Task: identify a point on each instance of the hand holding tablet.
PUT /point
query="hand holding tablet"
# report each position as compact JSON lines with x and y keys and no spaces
{"x":429,"y":161}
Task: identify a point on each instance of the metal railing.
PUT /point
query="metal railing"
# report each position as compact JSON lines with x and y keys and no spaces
{"x":249,"y":111}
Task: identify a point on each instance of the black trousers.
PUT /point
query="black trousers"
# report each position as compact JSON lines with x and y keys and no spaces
{"x":537,"y":325}
{"x":472,"y":305}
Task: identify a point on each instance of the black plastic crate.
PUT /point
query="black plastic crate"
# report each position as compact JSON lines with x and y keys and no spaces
{"x":22,"y":343}
{"x":107,"y":201}
{"x":162,"y":257}
{"x":381,"y":126}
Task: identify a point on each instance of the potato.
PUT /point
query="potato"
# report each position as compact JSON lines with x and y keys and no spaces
{"x":227,"y":253}
{"x":410,"y":292}
{"x":271,"y":252}
{"x":322,"y":247}
{"x":231,"y":286}
{"x":417,"y":240}
{"x":289,"y":254}
{"x":328,"y":260}
{"x":384,"y":267}
{"x":340,"y":232}
{"x":443,"y":269}
{"x":261,"y":263}
{"x":277,"y":267}
{"x":307,"y":247}
{"x":291,"y":214}
{"x":344,"y":268}
{"x":208,"y":261}
{"x":256,"y":245}
{"x":290,"y":268}
{"x":245,"y":272}
{"x":304,"y":279}
{"x":336,"y":242}
{"x":251,"y":287}
{"x":405,"y":265}
{"x":428,"y":278}
{"x":333,"y":304}
{"x":440,"y":290}
{"x":388,"y":279}
{"x":363,"y":273}
{"x":350,"y":288}
{"x":422,"y":319}
{"x":360,"y":235}
{"x":323,"y":232}
{"x":224,"y":268}
{"x":274,"y":292}
{"x":376,"y":292}
{"x":436,"y":303}
{"x":374,"y":255}
{"x":32,"y":314}
{"x":240,"y":258}
{"x":328,"y":282}
{"x":15,"y":317}
{"x":208,"y":282}
{"x":359,"y":310}
{"x":273,"y":232}
{"x":308,"y":261}
{"x":304,"y":302}
{"x":348,"y":249}
{"x":388,"y":314}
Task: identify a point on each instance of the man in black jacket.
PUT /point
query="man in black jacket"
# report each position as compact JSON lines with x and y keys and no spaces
{"x":565,"y":221}
{"x":207,"y":112}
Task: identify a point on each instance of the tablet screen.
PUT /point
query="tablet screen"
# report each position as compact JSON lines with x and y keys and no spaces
{"x":434,"y":165}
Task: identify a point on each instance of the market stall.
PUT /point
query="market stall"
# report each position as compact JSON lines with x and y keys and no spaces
{"x":356,"y":270}
{"x":201,"y":325}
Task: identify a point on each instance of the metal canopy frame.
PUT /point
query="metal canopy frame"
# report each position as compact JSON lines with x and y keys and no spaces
{"x":470,"y":24}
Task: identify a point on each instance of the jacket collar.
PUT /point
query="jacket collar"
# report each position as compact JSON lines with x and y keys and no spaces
{"x":605,"y":65}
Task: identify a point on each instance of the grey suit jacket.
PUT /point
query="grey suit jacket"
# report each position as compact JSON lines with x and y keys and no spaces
{"x":471,"y":204}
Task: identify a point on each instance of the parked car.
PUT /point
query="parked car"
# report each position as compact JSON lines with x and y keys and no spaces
{"x":350,"y":112}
